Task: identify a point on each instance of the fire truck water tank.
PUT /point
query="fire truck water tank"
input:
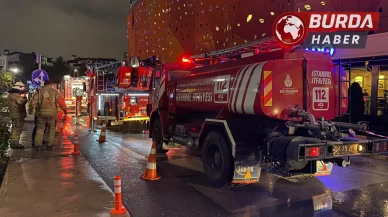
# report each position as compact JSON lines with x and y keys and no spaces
{"x":263,"y":88}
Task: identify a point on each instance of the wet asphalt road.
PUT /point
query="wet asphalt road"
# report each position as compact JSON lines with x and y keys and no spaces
{"x":358,"y":190}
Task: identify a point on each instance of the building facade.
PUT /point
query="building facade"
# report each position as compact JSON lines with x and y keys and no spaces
{"x":170,"y":29}
{"x":21,"y":64}
{"x":369,"y":68}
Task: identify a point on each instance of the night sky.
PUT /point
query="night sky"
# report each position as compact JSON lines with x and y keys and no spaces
{"x":86,"y":28}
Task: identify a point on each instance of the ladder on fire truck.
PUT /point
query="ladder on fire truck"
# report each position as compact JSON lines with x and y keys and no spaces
{"x":262,"y":45}
{"x":105,"y":76}
{"x":344,"y":92}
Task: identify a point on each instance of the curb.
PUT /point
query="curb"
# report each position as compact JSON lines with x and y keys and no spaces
{"x":379,"y":157}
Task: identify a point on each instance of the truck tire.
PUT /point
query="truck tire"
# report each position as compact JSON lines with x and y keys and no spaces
{"x":217,"y":160}
{"x":157,"y":135}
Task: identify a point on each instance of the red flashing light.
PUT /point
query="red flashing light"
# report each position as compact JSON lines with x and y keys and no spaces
{"x":256,"y":51}
{"x":185,"y":60}
{"x":312,"y":152}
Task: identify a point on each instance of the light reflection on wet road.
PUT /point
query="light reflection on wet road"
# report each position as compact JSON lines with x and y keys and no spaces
{"x":359,"y":190}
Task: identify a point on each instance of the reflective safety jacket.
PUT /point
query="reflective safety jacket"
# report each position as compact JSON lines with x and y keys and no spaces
{"x":16,"y":105}
{"x":46,"y":102}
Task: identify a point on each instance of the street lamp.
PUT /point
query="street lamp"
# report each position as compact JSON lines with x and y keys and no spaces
{"x":14,"y":70}
{"x":76,"y":72}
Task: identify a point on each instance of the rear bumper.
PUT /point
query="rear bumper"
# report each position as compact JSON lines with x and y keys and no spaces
{"x":332,"y":149}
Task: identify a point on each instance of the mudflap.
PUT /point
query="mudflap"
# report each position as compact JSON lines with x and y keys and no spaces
{"x":247,"y":169}
{"x":323,"y":168}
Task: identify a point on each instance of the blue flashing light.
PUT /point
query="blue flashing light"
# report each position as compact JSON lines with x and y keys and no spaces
{"x":328,"y":50}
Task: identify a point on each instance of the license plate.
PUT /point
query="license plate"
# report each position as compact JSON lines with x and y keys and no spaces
{"x":323,"y":202}
{"x":245,"y":172}
{"x":345,"y":149}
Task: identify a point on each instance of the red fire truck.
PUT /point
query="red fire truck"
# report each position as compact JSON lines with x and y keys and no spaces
{"x":104,"y":97}
{"x":119,"y":94}
{"x":266,"y":112}
{"x":134,"y":83}
{"x":70,"y":87}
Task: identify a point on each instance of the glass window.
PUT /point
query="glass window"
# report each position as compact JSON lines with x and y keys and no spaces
{"x":364,"y":78}
{"x":382,"y":89}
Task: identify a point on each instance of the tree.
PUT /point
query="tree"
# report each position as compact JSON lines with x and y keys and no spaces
{"x":59,"y":70}
{"x":48,"y":69}
{"x":82,"y":69}
{"x":27,"y":65}
{"x":6,"y":79}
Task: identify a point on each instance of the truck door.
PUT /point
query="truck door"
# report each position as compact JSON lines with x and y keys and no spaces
{"x":171,"y":97}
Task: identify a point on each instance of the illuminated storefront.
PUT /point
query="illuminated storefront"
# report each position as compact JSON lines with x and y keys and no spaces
{"x":369,"y":67}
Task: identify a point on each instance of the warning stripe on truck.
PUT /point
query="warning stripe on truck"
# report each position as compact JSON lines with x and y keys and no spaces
{"x":267,"y":88}
{"x":344,"y":90}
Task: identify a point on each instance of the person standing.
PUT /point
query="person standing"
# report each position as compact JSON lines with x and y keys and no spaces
{"x":17,"y":101}
{"x":35,"y":126}
{"x":46,"y":102}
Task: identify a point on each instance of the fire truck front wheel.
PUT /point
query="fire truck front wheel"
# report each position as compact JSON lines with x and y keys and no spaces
{"x":217,"y":159}
{"x":157,"y":135}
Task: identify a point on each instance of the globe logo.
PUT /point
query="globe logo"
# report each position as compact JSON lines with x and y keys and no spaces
{"x":289,"y":30}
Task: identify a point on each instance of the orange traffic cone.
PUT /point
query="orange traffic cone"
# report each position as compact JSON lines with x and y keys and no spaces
{"x":150,"y":173}
{"x":76,"y":151}
{"x":119,"y":208}
{"x":324,"y":167}
{"x":102,"y":137}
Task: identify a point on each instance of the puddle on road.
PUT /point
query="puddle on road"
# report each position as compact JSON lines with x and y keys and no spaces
{"x":272,"y":196}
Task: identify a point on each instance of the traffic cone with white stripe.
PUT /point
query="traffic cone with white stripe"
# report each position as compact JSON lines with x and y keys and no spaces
{"x":76,"y":151}
{"x":119,"y":208}
{"x":102,"y":137}
{"x":150,"y":173}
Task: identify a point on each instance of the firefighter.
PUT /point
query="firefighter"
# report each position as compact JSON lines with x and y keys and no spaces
{"x":17,"y":101}
{"x":36,"y":124}
{"x":45,"y":102}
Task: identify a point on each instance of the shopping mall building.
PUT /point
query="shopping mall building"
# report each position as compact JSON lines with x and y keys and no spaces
{"x":368,"y":67}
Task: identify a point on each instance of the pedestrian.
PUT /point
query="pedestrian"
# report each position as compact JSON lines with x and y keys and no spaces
{"x":45,"y":102}
{"x":17,"y":101}
{"x":36,"y":123}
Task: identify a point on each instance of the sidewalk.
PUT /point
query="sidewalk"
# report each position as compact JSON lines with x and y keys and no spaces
{"x":52,"y":184}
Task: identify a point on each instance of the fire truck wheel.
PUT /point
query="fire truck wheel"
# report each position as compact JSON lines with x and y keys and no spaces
{"x":157,"y":135}
{"x":217,"y":160}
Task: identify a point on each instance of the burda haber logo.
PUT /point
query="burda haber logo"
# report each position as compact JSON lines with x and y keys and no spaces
{"x":317,"y":29}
